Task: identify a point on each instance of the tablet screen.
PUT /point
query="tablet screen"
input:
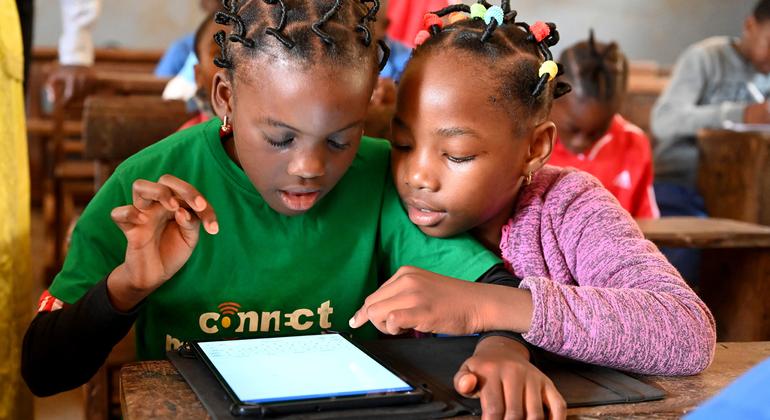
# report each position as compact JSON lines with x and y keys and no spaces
{"x":268,"y":370}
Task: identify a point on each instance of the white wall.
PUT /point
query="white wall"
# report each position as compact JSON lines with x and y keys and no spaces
{"x":646,"y":29}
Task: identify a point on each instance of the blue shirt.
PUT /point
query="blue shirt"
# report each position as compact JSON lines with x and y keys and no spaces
{"x":176,"y":55}
{"x":399,"y":56}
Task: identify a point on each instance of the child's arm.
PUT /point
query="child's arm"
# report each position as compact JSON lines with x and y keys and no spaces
{"x":64,"y":348}
{"x":630,"y":309}
{"x":160,"y":236}
{"x":418,"y":299}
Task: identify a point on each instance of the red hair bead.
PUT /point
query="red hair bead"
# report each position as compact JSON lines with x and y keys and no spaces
{"x":540,"y":30}
{"x":432,"y":19}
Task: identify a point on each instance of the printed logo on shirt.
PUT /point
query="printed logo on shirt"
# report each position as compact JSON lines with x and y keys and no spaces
{"x":230,"y":316}
{"x":623,"y":180}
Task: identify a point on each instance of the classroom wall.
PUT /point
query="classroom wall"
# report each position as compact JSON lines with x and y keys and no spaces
{"x":646,"y":29}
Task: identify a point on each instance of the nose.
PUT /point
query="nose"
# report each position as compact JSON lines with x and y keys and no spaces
{"x":419,"y":175}
{"x":308,"y":163}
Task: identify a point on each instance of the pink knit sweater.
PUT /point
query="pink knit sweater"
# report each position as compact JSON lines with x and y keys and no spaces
{"x":602,"y":294}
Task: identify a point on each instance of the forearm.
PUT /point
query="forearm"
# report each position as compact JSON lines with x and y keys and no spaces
{"x":668,"y":331}
{"x":63,"y":349}
{"x":673,"y":119}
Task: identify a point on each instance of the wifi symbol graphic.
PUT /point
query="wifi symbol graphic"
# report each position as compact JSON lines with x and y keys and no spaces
{"x":227,"y":309}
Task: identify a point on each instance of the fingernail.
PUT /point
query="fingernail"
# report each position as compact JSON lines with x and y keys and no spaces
{"x":213,"y":228}
{"x":352,"y":322}
{"x":200,"y":203}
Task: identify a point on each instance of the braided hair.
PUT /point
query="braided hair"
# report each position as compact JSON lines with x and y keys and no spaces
{"x":598,"y":70}
{"x":518,"y":54}
{"x":762,"y":11}
{"x":307,"y":30}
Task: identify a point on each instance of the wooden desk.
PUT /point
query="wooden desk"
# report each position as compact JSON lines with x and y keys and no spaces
{"x":735,"y":270}
{"x":156,"y":389}
{"x":733,"y":175}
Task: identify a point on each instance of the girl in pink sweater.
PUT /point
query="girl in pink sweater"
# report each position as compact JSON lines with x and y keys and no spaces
{"x":471,"y":139}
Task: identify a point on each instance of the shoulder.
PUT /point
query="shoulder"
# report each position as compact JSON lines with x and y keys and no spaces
{"x":635,"y":140}
{"x":180,"y":148}
{"x":708,"y":51}
{"x":555,"y":191}
{"x":373,"y":151}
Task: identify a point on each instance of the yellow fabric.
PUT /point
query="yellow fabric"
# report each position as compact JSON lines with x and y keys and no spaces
{"x":15,"y":282}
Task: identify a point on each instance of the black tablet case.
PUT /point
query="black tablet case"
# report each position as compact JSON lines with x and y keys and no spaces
{"x":433,"y":362}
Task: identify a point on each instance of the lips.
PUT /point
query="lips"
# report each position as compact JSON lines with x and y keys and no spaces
{"x":299,"y":200}
{"x":423,"y":214}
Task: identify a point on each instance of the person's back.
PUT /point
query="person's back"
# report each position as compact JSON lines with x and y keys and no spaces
{"x":593,"y":137}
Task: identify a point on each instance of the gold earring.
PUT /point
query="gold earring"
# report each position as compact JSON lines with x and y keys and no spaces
{"x":226,"y":127}
{"x":528,"y":178}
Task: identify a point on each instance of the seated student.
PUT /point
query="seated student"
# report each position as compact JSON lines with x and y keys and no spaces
{"x":472,"y":159}
{"x":205,"y":50}
{"x":709,"y":86}
{"x":383,"y":103}
{"x":178,"y":52}
{"x":280,"y":209}
{"x":591,"y":134}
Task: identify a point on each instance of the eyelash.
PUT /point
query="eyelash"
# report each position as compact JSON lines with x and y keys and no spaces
{"x":338,"y":146}
{"x":287,"y":142}
{"x":462,"y":159}
{"x":280,"y":144}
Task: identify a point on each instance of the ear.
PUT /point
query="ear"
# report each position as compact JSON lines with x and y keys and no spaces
{"x":540,"y":147}
{"x":222,"y":94}
{"x":750,"y":26}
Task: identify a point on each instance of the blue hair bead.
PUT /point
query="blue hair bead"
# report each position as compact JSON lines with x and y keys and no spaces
{"x":496,"y":13}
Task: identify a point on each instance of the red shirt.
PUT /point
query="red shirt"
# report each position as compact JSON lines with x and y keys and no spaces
{"x":622,"y":160}
{"x":197,"y":119}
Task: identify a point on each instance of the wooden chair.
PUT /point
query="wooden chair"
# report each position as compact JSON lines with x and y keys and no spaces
{"x":69,"y":177}
{"x":39,"y":118}
{"x":114,"y":128}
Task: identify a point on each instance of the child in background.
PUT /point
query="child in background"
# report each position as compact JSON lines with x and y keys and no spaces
{"x":205,"y":51}
{"x":179,"y":51}
{"x":473,"y":159}
{"x":591,"y":134}
{"x":300,"y":218}
{"x":709,"y":86}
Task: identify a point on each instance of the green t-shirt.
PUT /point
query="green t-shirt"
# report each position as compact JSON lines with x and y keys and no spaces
{"x":264,"y":273}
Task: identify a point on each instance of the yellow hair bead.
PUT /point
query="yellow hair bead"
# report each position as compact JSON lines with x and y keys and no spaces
{"x":478,"y":11}
{"x":550,"y":68}
{"x":457,"y":17}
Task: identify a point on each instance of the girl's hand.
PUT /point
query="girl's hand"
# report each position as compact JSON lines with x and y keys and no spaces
{"x":424,"y":301}
{"x":161,"y":234}
{"x":509,"y":386}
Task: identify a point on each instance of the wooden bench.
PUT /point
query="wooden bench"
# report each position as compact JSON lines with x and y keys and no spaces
{"x":735,"y":271}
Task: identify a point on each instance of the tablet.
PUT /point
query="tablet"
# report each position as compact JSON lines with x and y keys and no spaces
{"x":282,"y":375}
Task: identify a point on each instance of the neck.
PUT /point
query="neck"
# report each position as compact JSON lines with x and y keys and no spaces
{"x":742,"y":47}
{"x":490,"y":232}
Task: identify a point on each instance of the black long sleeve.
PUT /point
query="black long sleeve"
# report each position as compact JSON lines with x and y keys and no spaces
{"x":63,"y":349}
{"x":500,"y":276}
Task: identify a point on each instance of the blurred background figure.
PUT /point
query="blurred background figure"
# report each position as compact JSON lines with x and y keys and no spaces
{"x":593,"y":136}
